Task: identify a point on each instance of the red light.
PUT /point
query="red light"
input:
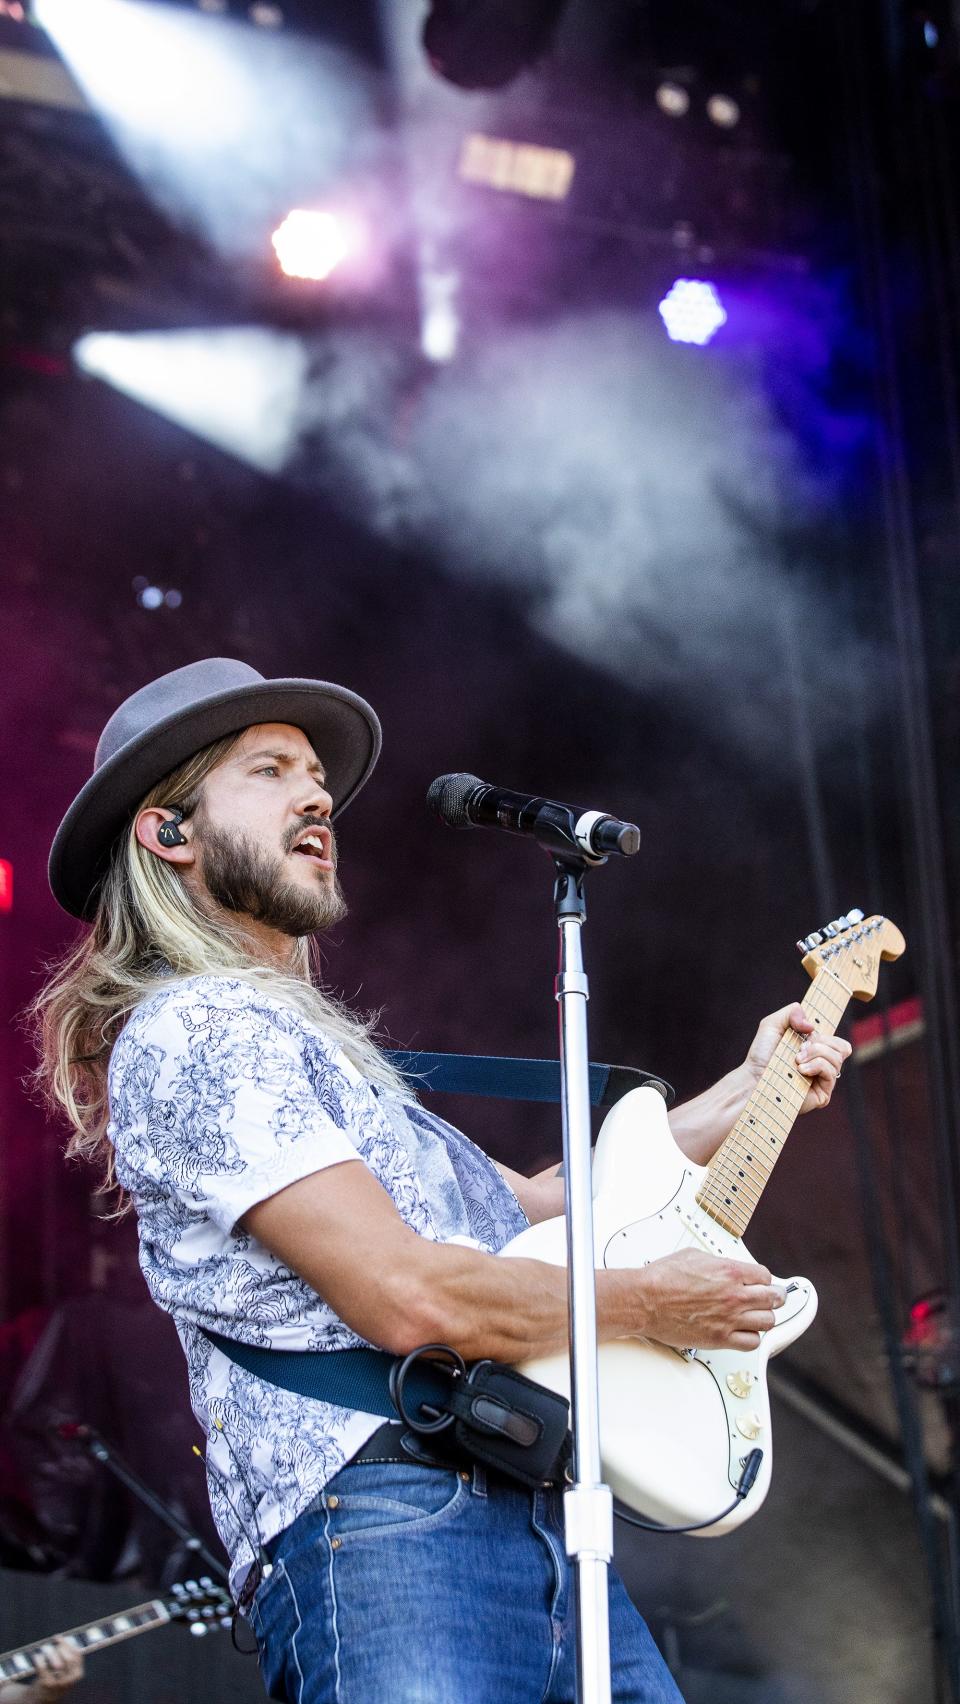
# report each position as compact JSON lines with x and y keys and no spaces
{"x":923,"y":1310}
{"x":6,"y":885}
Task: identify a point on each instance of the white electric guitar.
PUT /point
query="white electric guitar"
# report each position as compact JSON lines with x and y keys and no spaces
{"x":677,"y":1426}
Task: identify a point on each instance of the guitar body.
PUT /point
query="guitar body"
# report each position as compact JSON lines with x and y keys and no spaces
{"x":675,"y":1425}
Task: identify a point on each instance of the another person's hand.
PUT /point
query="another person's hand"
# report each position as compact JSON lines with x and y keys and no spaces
{"x":59,"y":1666}
{"x":819,"y":1059}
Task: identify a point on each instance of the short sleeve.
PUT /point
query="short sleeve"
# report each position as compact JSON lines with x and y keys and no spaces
{"x":217,"y":1098}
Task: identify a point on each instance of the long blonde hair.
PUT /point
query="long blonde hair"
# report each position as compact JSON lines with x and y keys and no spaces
{"x":148,"y":932}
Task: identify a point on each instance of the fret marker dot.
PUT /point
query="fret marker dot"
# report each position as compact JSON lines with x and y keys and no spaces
{"x":778,"y":1100}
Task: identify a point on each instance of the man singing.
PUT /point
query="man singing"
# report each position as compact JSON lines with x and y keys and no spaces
{"x":292,"y":1193}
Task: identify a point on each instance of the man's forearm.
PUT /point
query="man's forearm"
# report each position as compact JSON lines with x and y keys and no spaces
{"x":700,"y":1125}
{"x":516,"y":1310}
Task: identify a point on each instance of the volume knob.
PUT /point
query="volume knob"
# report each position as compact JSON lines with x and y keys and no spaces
{"x":739,"y":1383}
{"x":749,"y":1425}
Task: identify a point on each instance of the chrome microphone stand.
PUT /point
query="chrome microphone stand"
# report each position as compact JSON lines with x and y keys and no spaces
{"x":588,"y":1503}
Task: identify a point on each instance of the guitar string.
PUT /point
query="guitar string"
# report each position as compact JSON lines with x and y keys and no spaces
{"x":733,"y":1158}
{"x":771,"y":1121}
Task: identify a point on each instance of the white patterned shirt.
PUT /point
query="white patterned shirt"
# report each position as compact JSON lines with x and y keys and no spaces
{"x":220,"y":1096}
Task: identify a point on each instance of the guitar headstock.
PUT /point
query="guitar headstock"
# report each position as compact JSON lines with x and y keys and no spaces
{"x":851,"y":948}
{"x":202,"y":1604}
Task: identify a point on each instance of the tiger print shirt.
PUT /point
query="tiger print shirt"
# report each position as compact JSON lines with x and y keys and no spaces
{"x":220,"y":1096}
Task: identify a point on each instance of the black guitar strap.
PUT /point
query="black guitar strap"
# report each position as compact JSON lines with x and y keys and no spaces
{"x":517,"y":1079}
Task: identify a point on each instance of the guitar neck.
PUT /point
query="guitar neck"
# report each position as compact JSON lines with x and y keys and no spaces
{"x":741,"y":1167}
{"x":93,"y":1636}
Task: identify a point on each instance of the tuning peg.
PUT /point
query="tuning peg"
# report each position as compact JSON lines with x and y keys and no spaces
{"x":854,"y":916}
{"x":831,"y":930}
{"x":199,"y":1629}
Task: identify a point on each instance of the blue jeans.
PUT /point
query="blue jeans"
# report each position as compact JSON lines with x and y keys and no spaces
{"x":416,"y":1585}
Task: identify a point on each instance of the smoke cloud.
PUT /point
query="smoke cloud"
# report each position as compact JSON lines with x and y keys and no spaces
{"x":642,"y":498}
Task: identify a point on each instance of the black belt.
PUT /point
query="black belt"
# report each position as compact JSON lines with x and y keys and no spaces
{"x":392,"y":1442}
{"x":387,"y":1444}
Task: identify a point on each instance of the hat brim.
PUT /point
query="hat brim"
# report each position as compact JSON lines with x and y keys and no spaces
{"x":341,"y":727}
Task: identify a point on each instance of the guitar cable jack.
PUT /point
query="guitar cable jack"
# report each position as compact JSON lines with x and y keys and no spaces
{"x":751,"y":1467}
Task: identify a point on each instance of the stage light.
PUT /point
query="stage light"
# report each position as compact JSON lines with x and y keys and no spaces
{"x":724,"y":111}
{"x":525,"y":168}
{"x":225,"y":124}
{"x":440,"y":322}
{"x":13,"y":9}
{"x":692,"y":311}
{"x":149,"y":596}
{"x":313,"y":242}
{"x":6,"y":885}
{"x":673,"y":99}
{"x":266,"y":17}
{"x":236,"y":387}
{"x":154,"y":71}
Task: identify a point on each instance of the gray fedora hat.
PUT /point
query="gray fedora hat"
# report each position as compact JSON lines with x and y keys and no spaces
{"x":170,"y":719}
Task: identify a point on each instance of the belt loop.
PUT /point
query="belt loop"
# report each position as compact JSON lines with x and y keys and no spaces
{"x":479,"y":1486}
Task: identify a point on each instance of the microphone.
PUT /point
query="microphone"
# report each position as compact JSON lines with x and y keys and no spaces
{"x":464,"y":801}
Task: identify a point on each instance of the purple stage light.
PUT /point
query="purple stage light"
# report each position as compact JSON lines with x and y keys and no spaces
{"x":692,"y":311}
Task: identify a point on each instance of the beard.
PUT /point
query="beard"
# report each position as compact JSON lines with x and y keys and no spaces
{"x":239,"y":876}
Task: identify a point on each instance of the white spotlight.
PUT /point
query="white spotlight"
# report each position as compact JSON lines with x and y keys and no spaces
{"x":236,"y":388}
{"x":313,"y":242}
{"x":223,"y":123}
{"x":440,"y":322}
{"x":673,"y":99}
{"x":154,"y":71}
{"x":723,"y":110}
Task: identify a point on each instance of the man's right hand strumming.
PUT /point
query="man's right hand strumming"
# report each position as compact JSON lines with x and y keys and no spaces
{"x":690,"y":1299}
